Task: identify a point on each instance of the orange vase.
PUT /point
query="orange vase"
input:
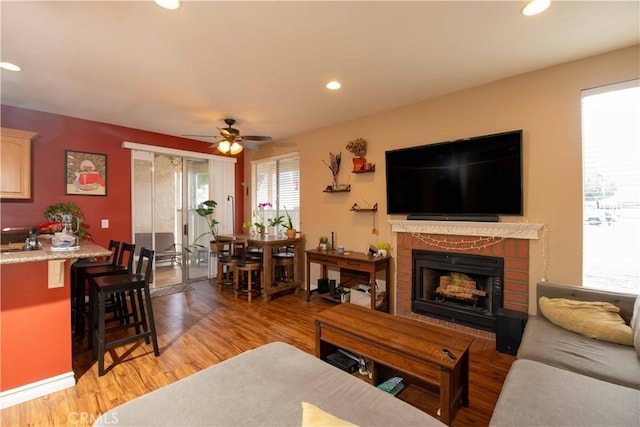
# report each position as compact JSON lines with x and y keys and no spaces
{"x":358,"y":163}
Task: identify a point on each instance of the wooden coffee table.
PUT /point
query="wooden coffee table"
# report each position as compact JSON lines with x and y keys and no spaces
{"x":399,"y":346}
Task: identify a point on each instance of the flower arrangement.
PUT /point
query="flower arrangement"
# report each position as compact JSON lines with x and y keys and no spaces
{"x":357,"y":147}
{"x":334,"y":166}
{"x":334,"y":163}
{"x":383,"y":245}
{"x":259,"y":215}
{"x":383,"y":248}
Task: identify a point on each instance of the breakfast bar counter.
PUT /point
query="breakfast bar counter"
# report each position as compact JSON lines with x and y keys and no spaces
{"x":86,"y":250}
{"x":35,"y":321}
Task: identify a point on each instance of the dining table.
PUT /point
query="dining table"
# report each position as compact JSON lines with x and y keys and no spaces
{"x":267,"y":243}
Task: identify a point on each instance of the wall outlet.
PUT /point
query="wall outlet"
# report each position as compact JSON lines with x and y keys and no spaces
{"x":104,"y":223}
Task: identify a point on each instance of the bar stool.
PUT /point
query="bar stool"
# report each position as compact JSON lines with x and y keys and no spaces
{"x":283,"y":265}
{"x":79,"y":293}
{"x":226,"y":264}
{"x":248,"y":273}
{"x":138,"y":315}
{"x":127,"y":254}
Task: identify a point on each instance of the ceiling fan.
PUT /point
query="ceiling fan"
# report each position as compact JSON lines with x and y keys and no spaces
{"x":230,"y":141}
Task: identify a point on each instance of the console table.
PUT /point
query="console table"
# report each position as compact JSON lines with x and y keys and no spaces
{"x":395,"y":345}
{"x":351,"y":261}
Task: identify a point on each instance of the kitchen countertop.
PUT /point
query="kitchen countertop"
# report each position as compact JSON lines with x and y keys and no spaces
{"x":86,"y":250}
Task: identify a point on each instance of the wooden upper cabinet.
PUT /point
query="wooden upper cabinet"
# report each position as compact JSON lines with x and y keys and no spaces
{"x":15,"y":163}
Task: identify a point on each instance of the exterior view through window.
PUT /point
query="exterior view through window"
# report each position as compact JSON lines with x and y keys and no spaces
{"x":611,"y":187}
{"x":276,"y":183}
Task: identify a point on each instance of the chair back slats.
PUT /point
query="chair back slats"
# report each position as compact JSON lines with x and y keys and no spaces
{"x":127,"y":250}
{"x":114,"y":248}
{"x":145,"y":262}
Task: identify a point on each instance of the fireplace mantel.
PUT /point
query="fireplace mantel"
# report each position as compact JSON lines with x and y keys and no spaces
{"x":513,"y":230}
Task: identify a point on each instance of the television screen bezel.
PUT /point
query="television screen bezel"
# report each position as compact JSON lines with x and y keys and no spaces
{"x":459,"y":215}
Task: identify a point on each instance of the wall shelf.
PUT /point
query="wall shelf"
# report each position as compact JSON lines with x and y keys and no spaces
{"x":356,"y":208}
{"x":373,"y":169}
{"x":329,"y":189}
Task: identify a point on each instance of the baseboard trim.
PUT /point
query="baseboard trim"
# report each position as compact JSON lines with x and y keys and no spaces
{"x":37,"y":389}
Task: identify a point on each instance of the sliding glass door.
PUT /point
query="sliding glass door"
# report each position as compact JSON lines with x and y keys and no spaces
{"x":167,"y":187}
{"x":157,"y":218}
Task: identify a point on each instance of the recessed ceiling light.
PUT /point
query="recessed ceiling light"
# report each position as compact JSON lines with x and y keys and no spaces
{"x":168,"y":4}
{"x":534,"y":7}
{"x":334,"y":85}
{"x":9,"y":66}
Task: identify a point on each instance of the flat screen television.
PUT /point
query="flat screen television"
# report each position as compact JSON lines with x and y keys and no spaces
{"x":469,"y":179}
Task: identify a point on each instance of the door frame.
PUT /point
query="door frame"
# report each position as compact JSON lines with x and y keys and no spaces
{"x":214,"y":189}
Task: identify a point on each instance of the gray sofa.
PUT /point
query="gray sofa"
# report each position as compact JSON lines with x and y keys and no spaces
{"x":266,"y":387}
{"x":561,"y":378}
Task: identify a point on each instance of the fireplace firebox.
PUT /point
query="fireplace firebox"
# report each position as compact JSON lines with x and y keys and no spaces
{"x":460,"y":288}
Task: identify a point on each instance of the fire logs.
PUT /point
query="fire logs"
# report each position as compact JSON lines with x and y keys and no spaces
{"x":459,"y":286}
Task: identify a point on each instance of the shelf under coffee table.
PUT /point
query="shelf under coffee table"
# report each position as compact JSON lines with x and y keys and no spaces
{"x":394,"y":344}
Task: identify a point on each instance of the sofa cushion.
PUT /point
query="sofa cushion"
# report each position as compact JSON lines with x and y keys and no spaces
{"x":535,"y":394}
{"x":554,"y":290}
{"x":312,"y":416}
{"x":598,"y":320}
{"x":545,"y":342}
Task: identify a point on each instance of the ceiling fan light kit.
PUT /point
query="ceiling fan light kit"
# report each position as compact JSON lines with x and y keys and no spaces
{"x":231,"y":141}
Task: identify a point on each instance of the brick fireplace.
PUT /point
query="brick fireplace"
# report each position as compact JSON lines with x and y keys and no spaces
{"x":509,"y":241}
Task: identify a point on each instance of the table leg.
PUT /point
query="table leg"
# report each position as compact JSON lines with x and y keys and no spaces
{"x":446,"y":392}
{"x":464,"y":372}
{"x":266,"y":272}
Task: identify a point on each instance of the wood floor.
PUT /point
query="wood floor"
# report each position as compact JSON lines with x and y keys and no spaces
{"x":202,"y":327}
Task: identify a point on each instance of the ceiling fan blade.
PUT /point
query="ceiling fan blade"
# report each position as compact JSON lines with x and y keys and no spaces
{"x":202,"y":136}
{"x":256,"y":138}
{"x":249,"y":145}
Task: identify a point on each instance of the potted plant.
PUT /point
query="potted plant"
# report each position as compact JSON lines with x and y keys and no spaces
{"x":207,"y":211}
{"x":247,"y":227}
{"x":56,"y":211}
{"x":357,"y":147}
{"x":274,"y":223}
{"x":323,"y":243}
{"x":259,"y":215}
{"x":288,"y":224}
{"x":383,"y":248}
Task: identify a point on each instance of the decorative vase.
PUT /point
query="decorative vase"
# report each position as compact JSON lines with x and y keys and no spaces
{"x":262,"y":231}
{"x":382,"y":252}
{"x":358,"y":163}
{"x":335,"y":182}
{"x":291,"y":233}
{"x":271,"y":230}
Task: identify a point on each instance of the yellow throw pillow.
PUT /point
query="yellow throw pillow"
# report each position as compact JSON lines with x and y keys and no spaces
{"x":592,"y":319}
{"x":312,"y":416}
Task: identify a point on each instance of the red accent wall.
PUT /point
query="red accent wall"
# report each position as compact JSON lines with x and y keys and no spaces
{"x":58,"y":133}
{"x":35,"y":325}
{"x":516,"y":275}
